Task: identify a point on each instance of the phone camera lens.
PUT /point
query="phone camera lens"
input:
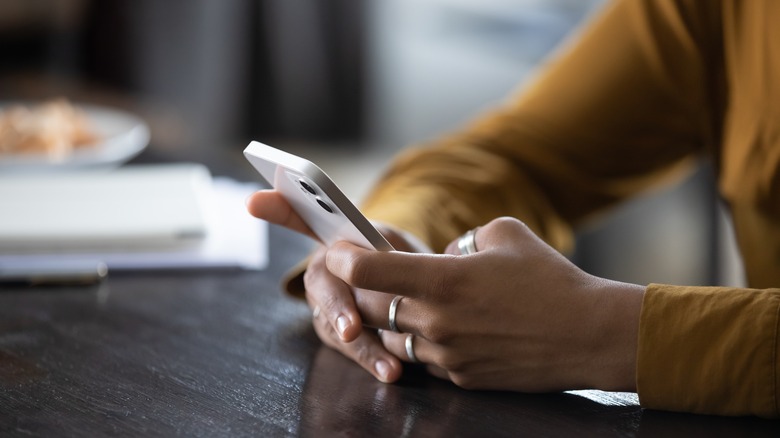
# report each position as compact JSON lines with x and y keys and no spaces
{"x":307,"y":187}
{"x":324,"y":206}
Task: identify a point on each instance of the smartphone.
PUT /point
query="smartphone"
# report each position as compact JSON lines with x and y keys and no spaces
{"x":315,"y":197}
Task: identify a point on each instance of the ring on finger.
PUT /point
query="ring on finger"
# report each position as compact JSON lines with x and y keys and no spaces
{"x":410,"y":348}
{"x":391,"y":313}
{"x":467,"y":243}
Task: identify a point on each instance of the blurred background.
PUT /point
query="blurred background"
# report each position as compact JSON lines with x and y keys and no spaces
{"x":345,"y":83}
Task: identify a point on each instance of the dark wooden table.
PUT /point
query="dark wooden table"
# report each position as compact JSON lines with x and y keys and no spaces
{"x":227,"y":354}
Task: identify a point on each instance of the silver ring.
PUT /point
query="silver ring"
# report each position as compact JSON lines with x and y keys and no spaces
{"x":410,"y":348}
{"x":391,"y":313}
{"x":467,"y":243}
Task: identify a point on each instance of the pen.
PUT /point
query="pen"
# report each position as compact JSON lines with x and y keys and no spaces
{"x":53,"y":273}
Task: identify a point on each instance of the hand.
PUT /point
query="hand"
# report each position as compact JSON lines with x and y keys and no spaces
{"x":516,"y":315}
{"x":335,"y":316}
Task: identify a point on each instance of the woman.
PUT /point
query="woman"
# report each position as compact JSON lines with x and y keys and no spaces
{"x":649,"y":87}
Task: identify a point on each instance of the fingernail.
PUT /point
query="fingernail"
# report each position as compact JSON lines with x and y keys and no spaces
{"x":341,"y":324}
{"x":383,"y":369}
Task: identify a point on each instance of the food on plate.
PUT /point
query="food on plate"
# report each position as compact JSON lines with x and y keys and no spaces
{"x":54,"y":128}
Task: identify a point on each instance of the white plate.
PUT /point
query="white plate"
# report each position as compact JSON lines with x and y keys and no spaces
{"x":123,"y":135}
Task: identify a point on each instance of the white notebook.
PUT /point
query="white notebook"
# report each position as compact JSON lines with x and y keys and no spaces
{"x":133,"y":207}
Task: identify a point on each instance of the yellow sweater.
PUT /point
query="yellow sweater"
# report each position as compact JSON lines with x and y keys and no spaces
{"x":644,"y":90}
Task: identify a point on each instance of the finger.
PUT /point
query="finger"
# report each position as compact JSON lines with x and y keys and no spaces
{"x":367,"y":351}
{"x":424,"y":351}
{"x":374,"y":309}
{"x":395,"y":343}
{"x":333,"y":297}
{"x":271,"y":206}
{"x":504,"y":233}
{"x":399,"y":273}
{"x":499,"y":234}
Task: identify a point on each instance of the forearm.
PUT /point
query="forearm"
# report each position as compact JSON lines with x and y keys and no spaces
{"x":439,"y":192}
{"x":599,"y":124}
{"x":709,"y":350}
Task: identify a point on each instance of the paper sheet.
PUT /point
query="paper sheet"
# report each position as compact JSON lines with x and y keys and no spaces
{"x":233,"y":239}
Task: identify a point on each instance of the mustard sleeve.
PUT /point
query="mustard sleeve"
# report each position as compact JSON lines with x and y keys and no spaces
{"x":616,"y":111}
{"x":709,"y":350}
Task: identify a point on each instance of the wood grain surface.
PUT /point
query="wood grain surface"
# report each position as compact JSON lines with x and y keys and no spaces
{"x":225,"y":353}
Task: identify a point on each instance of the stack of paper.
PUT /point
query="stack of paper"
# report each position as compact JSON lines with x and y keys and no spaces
{"x":134,"y":217}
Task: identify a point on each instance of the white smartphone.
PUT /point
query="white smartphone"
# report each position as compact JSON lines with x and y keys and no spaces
{"x":315,"y":197}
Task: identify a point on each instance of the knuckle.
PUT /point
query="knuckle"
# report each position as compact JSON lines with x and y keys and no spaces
{"x":361,"y":353}
{"x":452,"y":362}
{"x":429,"y":332}
{"x":506,"y":224}
{"x":331,"y":304}
{"x":314,"y":273}
{"x":504,"y":229}
{"x":435,"y":331}
{"x":439,"y":285}
{"x":327,"y":294}
{"x":442,"y":283}
{"x":309,"y":278}
{"x":356,"y":270}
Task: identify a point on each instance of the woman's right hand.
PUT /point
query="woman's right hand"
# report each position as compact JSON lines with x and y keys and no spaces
{"x":335,"y":316}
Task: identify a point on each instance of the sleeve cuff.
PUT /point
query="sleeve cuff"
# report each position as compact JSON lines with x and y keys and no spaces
{"x":292,"y":280}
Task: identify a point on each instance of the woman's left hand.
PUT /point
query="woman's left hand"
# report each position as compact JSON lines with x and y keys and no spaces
{"x":515,"y":315}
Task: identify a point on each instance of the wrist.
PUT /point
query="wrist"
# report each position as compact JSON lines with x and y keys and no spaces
{"x":617,"y":311}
